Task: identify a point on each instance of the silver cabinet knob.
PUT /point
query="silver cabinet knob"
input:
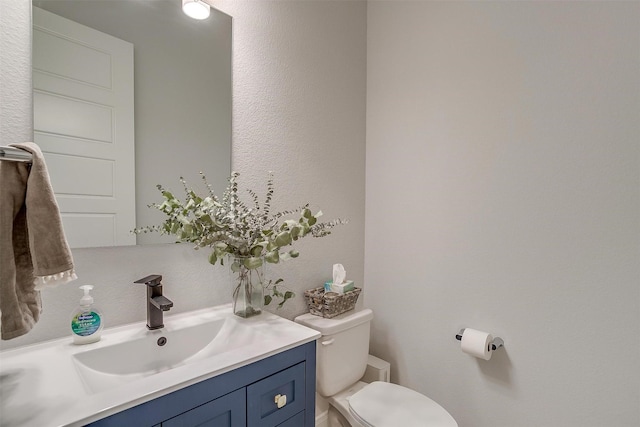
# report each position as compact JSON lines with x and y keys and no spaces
{"x":280,"y":400}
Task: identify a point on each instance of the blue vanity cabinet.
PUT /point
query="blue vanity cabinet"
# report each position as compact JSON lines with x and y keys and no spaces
{"x":278,"y":391}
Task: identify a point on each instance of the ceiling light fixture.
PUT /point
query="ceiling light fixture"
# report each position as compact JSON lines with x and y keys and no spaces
{"x":196,"y":9}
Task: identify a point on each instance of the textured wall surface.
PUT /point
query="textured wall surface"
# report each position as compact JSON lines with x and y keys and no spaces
{"x":16,"y":119}
{"x":299,"y":110}
{"x":502,"y":195}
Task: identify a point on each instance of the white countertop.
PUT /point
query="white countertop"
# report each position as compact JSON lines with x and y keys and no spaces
{"x":40,"y":384}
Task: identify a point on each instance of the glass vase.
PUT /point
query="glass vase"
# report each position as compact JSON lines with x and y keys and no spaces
{"x":247,"y":277}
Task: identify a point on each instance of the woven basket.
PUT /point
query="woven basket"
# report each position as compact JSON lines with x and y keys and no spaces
{"x":330,"y":304}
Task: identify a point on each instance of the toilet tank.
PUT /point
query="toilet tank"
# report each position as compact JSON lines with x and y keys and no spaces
{"x":342,"y":350}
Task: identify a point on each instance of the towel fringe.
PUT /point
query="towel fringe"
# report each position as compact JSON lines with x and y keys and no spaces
{"x":52,"y":280}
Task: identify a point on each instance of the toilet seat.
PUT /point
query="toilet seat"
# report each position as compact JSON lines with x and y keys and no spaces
{"x":381,"y":404}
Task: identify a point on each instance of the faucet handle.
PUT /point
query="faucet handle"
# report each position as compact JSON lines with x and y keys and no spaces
{"x":152,"y":280}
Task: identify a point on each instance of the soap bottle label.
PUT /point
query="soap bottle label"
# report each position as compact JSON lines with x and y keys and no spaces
{"x":85,"y":323}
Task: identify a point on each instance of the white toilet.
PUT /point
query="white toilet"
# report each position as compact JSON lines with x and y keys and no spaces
{"x":342,"y":357}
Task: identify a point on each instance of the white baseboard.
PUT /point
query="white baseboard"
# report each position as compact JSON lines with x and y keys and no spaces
{"x":322,"y":419}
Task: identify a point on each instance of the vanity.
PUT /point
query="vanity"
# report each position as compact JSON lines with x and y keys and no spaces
{"x":206,"y":367}
{"x":247,"y":396}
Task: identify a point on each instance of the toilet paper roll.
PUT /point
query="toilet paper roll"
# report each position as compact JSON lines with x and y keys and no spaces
{"x":477,"y":343}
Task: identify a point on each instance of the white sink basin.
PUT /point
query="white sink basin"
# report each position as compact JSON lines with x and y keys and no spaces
{"x":120,"y":360}
{"x":156,"y":352}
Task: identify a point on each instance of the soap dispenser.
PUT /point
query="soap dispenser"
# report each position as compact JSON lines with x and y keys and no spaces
{"x":86,"y":321}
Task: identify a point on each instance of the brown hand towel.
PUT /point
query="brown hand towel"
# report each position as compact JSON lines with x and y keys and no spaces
{"x":33,"y":249}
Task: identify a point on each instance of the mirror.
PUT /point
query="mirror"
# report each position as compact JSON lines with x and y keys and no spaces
{"x":181,"y":95}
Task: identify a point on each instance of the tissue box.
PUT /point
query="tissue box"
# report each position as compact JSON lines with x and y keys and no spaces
{"x":340,"y":289}
{"x":330,"y":304}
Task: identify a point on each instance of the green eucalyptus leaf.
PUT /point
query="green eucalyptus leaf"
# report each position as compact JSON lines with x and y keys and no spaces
{"x":283,"y":239}
{"x":256,"y":250}
{"x":253,"y":262}
{"x":267,"y":299}
{"x":213,"y":258}
{"x":272,"y":257}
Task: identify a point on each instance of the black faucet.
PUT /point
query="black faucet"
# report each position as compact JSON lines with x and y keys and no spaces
{"x":156,"y":302}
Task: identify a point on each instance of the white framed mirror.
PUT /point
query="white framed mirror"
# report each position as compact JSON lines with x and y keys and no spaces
{"x":181,"y":121}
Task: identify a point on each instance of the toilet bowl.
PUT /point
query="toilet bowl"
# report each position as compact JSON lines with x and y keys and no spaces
{"x":342,"y":353}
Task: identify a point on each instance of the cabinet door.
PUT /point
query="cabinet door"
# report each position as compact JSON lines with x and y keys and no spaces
{"x":226,"y":411}
{"x":277,"y":398}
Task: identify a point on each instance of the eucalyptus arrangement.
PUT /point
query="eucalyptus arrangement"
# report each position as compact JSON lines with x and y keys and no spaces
{"x":249,"y":234}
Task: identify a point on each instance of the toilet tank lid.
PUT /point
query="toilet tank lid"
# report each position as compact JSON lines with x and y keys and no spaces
{"x":337,"y":324}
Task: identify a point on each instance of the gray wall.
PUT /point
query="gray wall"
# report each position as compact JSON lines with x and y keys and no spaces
{"x":298,"y":110}
{"x":299,"y":86}
{"x":503,"y":195}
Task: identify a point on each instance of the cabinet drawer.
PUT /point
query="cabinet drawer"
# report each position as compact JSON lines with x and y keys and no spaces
{"x":262,"y":406}
{"x":295,"y":421}
{"x":225,"y":411}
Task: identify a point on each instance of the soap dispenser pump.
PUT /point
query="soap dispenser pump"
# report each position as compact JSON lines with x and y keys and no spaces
{"x":86,"y":321}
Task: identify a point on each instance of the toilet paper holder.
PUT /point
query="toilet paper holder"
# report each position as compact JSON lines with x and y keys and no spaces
{"x":495,"y":344}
